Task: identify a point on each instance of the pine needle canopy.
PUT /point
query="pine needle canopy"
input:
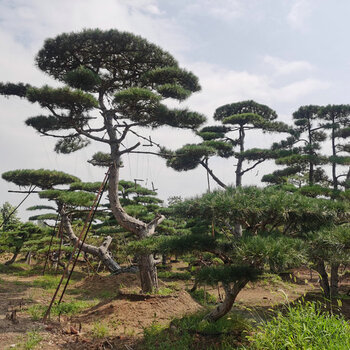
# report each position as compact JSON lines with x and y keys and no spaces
{"x":118,"y":74}
{"x":256,"y":208}
{"x":102,"y":51}
{"x":114,"y":61}
{"x":41,"y":178}
{"x":250,"y":111}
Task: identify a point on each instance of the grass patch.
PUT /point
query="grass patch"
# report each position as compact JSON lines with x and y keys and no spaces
{"x":192,"y":332}
{"x":11,"y":269}
{"x":186,"y":275}
{"x":107,"y":294}
{"x":69,"y":308}
{"x":100,"y":330}
{"x":164,"y":291}
{"x":302,"y":327}
{"x":271,"y":279}
{"x":31,"y":340}
{"x":47,"y":282}
{"x":51,"y":281}
{"x":202,"y":297}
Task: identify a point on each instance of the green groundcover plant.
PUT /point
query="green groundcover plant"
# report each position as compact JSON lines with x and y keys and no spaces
{"x":302,"y":327}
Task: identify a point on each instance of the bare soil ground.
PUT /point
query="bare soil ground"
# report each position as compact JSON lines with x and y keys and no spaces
{"x":120,"y":313}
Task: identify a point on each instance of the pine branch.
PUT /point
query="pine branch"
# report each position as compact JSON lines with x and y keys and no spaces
{"x":214,"y":177}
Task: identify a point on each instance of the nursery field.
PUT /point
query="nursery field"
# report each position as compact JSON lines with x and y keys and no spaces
{"x":107,"y":262}
{"x":103,"y":311}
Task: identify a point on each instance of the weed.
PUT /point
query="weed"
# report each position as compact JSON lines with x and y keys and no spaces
{"x":183,"y":333}
{"x":100,"y":330}
{"x":36,"y":312}
{"x":174,"y":285}
{"x":175,"y":275}
{"x":68,"y":308}
{"x":164,"y":291}
{"x":11,"y":269}
{"x":203,"y":297}
{"x":115,"y":324}
{"x":302,"y":327}
{"x":31,"y":340}
{"x":47,"y":282}
{"x":106,"y":294}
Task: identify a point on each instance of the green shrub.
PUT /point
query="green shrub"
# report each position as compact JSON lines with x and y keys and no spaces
{"x":175,"y":275}
{"x":183,"y":333}
{"x":203,"y":297}
{"x":47,"y":282}
{"x":99,"y":330}
{"x":36,"y":312}
{"x":302,"y":327}
{"x":31,"y":340}
{"x":67,"y":308}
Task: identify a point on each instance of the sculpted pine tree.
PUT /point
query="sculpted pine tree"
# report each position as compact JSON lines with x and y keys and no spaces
{"x":67,"y":201}
{"x":275,"y":228}
{"x":313,"y":125}
{"x":302,"y":152}
{"x":337,"y":119}
{"x":223,"y":140}
{"x":240,"y":118}
{"x":113,"y":82}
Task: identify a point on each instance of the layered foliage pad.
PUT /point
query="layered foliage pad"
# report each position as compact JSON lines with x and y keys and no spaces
{"x":16,"y":235}
{"x":41,"y":178}
{"x":112,"y":70}
{"x":313,"y":126}
{"x":276,"y":226}
{"x":236,"y":119}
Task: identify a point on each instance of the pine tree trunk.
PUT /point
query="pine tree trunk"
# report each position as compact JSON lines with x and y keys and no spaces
{"x":230,"y":297}
{"x":334,"y":154}
{"x":13,"y":259}
{"x":29,"y":258}
{"x":334,"y":280}
{"x":142,"y":230}
{"x":324,"y":283}
{"x":101,"y":252}
{"x":106,"y":257}
{"x":223,"y":308}
{"x":148,"y":273}
{"x":164,"y":259}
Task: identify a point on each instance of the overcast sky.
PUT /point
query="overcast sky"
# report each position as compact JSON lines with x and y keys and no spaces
{"x":283,"y":53}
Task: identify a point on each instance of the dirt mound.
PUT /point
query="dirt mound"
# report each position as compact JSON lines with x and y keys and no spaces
{"x":96,"y":284}
{"x":131,"y":312}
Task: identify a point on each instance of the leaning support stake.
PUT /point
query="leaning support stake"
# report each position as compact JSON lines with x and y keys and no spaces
{"x":50,"y":245}
{"x":83,"y":241}
{"x":47,"y":313}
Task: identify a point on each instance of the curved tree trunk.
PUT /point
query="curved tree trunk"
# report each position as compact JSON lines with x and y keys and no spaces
{"x":29,"y":258}
{"x":142,"y":230}
{"x":139,"y":228}
{"x":101,"y":252}
{"x":13,"y":259}
{"x":230,"y":296}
